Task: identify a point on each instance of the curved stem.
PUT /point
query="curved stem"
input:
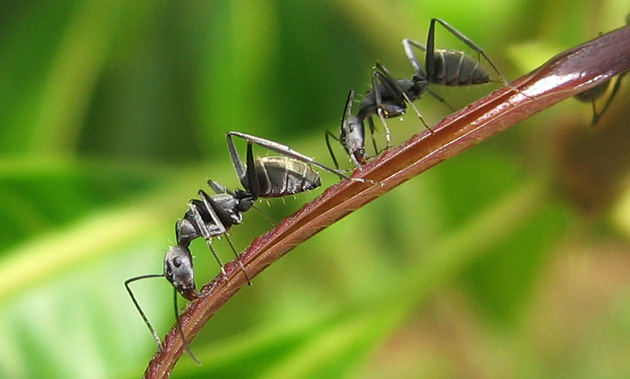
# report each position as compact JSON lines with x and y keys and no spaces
{"x":565,"y":75}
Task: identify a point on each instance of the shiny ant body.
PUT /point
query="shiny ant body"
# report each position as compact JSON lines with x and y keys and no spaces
{"x":213,"y":215}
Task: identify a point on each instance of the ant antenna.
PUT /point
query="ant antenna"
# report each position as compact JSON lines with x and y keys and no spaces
{"x":146,"y":319}
{"x":135,"y":302}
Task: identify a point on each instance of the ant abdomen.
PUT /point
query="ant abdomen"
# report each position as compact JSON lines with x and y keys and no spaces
{"x":455,"y":68}
{"x":594,"y":93}
{"x":281,"y":176}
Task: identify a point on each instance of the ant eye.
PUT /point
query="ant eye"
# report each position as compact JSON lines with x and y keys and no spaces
{"x":177,"y":262}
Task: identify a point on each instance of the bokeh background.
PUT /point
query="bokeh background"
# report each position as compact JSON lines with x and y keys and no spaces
{"x":510,"y":260}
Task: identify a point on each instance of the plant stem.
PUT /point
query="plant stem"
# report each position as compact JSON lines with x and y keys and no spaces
{"x":565,"y":75}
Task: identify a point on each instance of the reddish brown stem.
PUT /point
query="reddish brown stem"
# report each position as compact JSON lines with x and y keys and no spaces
{"x":565,"y":75}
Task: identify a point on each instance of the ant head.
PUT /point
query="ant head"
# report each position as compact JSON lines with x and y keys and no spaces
{"x":178,"y":269}
{"x":352,"y":137}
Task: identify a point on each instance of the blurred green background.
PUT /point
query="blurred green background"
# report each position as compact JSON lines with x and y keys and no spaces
{"x":510,"y":260}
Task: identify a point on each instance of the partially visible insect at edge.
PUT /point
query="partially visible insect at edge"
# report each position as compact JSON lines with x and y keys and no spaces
{"x":213,"y":215}
{"x":388,"y":97}
{"x":593,"y":94}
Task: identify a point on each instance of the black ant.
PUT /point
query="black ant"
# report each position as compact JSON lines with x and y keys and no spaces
{"x":593,"y":94}
{"x":213,"y":215}
{"x":388,"y":97}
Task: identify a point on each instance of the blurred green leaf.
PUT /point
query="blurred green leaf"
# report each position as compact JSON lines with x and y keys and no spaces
{"x":114,"y":115}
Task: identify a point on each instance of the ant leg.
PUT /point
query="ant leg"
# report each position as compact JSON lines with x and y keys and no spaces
{"x":206,"y":233}
{"x":252,"y":176}
{"x":390,"y":85}
{"x":239,"y":167}
{"x":329,"y":135}
{"x":379,"y":109}
{"x":387,"y":131}
{"x":266,"y":216}
{"x":238,"y":258}
{"x":596,"y":115}
{"x":417,"y":113}
{"x":378,"y":100}
{"x":441,"y":100}
{"x":181,"y":330}
{"x":372,"y":128}
{"x":211,"y":205}
{"x":380,"y":75}
{"x":613,"y":93}
{"x":411,"y":55}
{"x":388,"y":81}
{"x":278,"y":148}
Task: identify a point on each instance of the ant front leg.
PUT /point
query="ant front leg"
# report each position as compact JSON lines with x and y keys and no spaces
{"x":388,"y":133}
{"x":412,"y":91}
{"x":385,"y":85}
{"x":372,"y":128}
{"x":378,"y":102}
{"x":329,"y":135}
{"x":206,"y":232}
{"x":220,"y":229}
{"x":229,"y":240}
